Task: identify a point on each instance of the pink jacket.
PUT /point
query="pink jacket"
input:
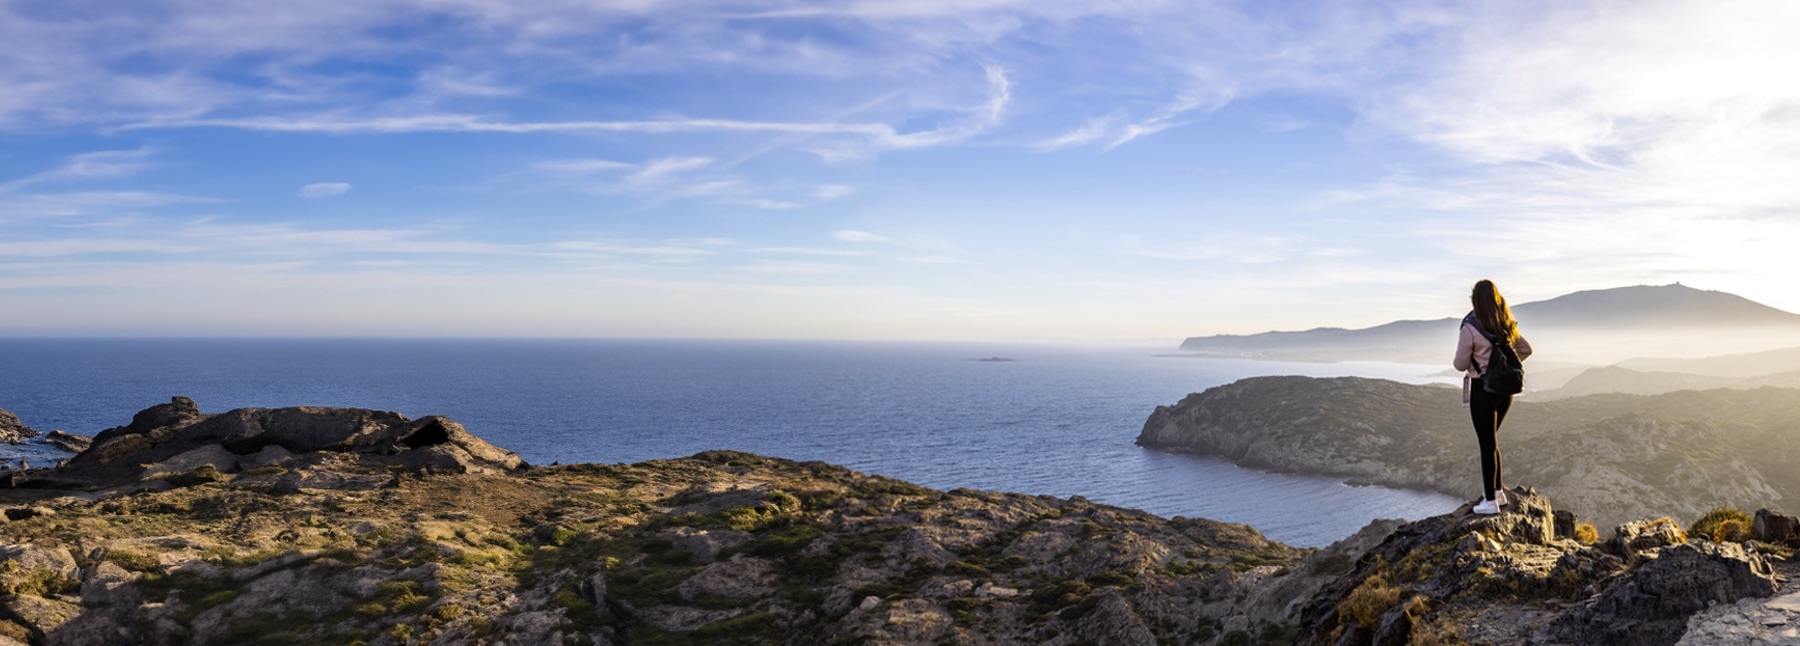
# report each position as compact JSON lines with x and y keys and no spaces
{"x":1472,"y":350}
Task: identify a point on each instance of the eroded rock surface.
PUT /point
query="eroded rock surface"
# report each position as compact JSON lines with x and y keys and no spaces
{"x":1513,"y":578}
{"x":170,"y":441}
{"x":12,"y":430}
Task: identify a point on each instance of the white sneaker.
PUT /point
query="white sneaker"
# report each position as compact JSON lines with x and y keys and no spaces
{"x":1500,"y":498}
{"x":1486,"y":508}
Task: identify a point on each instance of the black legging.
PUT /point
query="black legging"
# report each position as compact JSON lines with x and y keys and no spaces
{"x":1488,"y":410}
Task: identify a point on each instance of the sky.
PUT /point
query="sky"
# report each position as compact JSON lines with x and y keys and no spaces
{"x":914,"y":169}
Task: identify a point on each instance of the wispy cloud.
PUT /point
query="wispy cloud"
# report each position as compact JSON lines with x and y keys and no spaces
{"x":658,"y":170}
{"x":810,"y":251}
{"x":828,"y":192}
{"x":324,"y":189}
{"x":98,"y":165}
{"x":85,"y":203}
{"x":853,"y":235}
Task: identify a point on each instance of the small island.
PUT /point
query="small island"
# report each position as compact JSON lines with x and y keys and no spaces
{"x":995,"y":360}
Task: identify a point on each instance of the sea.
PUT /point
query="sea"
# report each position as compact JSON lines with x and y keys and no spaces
{"x":1047,"y":419}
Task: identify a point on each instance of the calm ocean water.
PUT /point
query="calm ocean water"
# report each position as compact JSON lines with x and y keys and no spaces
{"x":1055,"y":421}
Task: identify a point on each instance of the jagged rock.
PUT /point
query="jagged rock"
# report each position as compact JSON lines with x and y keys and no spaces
{"x":1775,"y":527}
{"x":70,"y":442}
{"x":289,"y":483}
{"x":13,"y":431}
{"x":1396,"y":627}
{"x":39,"y":615}
{"x":1651,"y":604}
{"x":179,"y":411}
{"x":905,"y":621}
{"x":1110,"y":619}
{"x":1631,"y":540}
{"x":210,"y":455}
{"x":107,"y":584}
{"x":1460,"y":561}
{"x":176,"y":437}
{"x":1528,"y":519}
{"x":1565,"y":524}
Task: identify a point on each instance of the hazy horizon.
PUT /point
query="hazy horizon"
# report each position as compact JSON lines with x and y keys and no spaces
{"x":916,"y":171}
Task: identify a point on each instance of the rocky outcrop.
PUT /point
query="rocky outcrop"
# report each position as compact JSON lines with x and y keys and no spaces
{"x":174,"y":439}
{"x":12,"y":430}
{"x":1511,"y":578}
{"x":66,"y":441}
{"x":1617,"y":457}
{"x":1652,"y":603}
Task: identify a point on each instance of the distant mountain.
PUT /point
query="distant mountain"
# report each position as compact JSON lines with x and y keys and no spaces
{"x":1614,"y":379}
{"x":1667,"y":318}
{"x":1743,"y":365}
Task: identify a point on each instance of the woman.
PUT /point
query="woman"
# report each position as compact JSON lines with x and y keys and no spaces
{"x":1490,"y":319}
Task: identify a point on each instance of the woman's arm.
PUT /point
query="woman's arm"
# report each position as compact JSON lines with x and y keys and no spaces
{"x":1522,"y":348}
{"x":1465,"y":349}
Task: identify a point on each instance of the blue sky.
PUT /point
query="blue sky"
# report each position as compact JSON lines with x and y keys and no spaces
{"x":983,"y":169}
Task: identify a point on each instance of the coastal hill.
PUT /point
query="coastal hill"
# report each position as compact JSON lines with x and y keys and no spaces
{"x":1620,"y":456}
{"x":1615,"y":379}
{"x":1595,"y":326}
{"x":330,"y":525}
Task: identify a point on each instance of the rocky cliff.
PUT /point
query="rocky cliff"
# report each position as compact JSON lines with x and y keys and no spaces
{"x":323,"y":525}
{"x":1618,"y":456}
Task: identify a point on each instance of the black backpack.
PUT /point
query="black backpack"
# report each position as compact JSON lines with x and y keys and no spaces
{"x":1505,"y":373}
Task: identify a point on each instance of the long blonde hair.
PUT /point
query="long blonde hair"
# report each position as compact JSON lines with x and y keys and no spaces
{"x":1491,"y":311}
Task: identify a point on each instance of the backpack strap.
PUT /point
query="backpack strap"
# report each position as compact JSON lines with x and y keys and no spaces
{"x":1470,"y":320}
{"x":1501,"y":346}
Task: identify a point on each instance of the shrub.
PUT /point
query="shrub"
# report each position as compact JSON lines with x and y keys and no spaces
{"x":1586,"y":534}
{"x":1368,"y":602}
{"x":1730,"y":530}
{"x":1709,"y":525}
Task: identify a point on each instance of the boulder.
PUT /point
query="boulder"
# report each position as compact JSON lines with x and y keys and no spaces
{"x":1631,"y":540}
{"x":1565,"y":524}
{"x":1528,"y":519}
{"x":1651,"y":604}
{"x":13,"y":431}
{"x":70,"y":442}
{"x":1776,"y":527}
{"x":176,"y":438}
{"x":179,"y":411}
{"x":29,"y":569}
{"x":39,"y":615}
